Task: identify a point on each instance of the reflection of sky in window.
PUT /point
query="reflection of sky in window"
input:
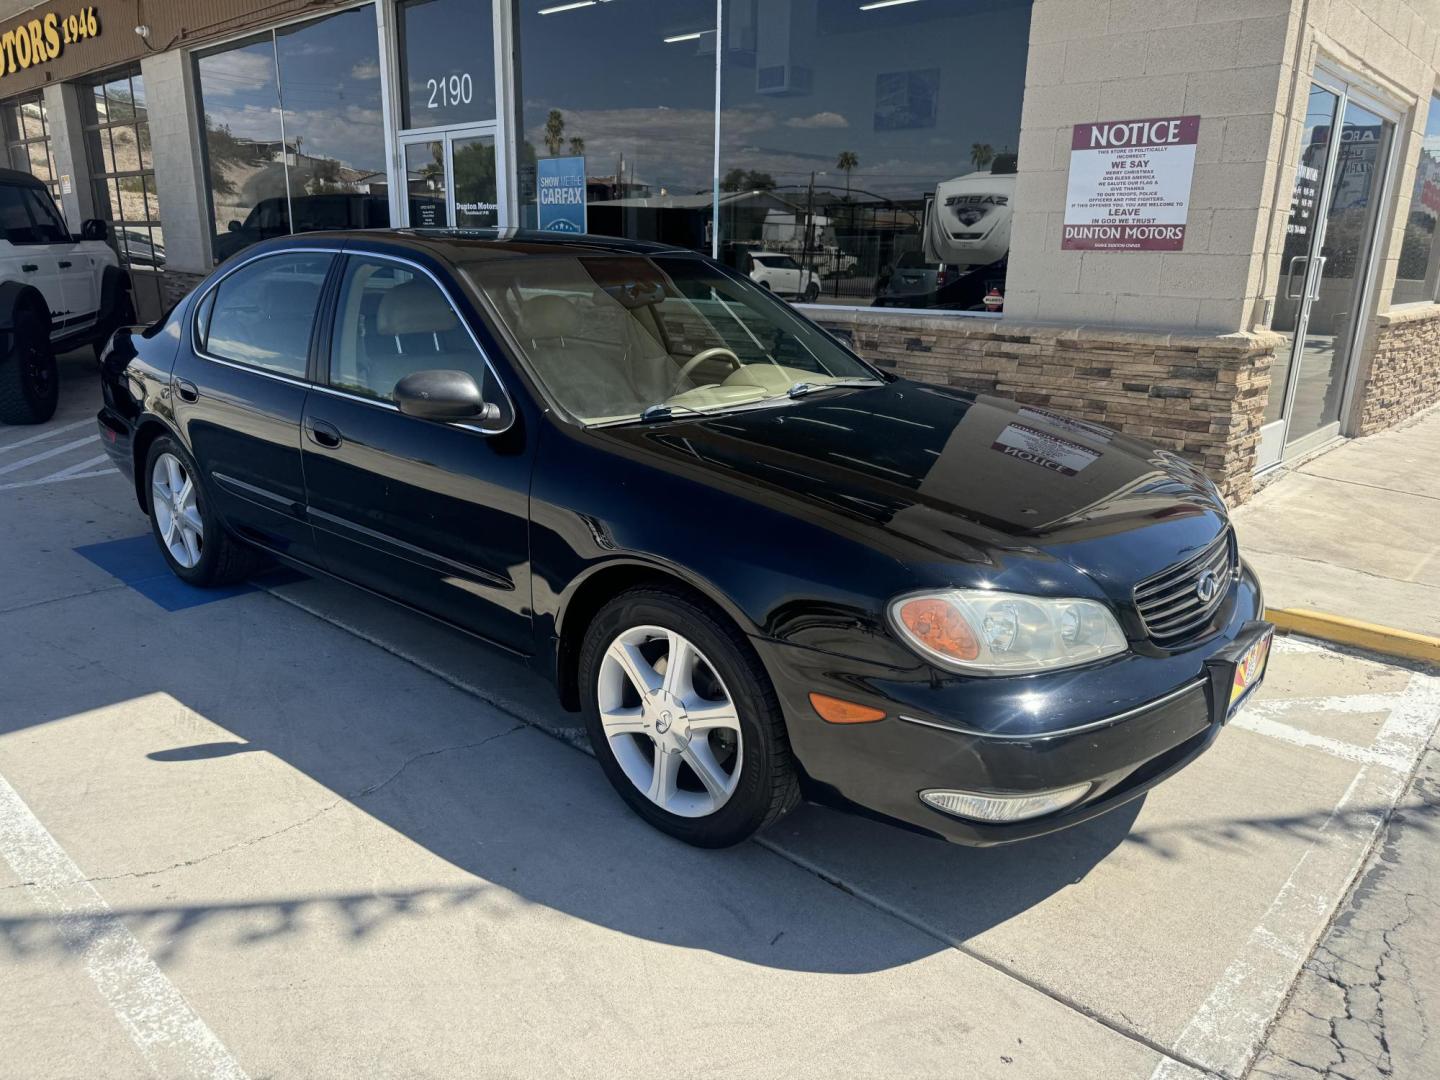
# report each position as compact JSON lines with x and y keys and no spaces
{"x":845,"y":79}
{"x":331,"y":87}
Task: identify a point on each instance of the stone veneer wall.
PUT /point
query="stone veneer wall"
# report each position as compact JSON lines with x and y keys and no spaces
{"x":1200,"y":396}
{"x":1404,"y":374}
{"x":176,"y":283}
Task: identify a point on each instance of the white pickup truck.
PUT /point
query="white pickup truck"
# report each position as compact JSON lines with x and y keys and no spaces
{"x":57,"y":292}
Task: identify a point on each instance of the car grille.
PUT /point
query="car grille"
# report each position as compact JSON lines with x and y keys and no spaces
{"x":1169,"y":602}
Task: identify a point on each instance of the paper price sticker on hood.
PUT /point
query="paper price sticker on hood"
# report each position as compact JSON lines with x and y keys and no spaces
{"x":1047,"y":451}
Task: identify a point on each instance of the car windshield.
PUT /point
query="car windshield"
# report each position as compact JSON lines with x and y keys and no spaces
{"x":615,"y":338}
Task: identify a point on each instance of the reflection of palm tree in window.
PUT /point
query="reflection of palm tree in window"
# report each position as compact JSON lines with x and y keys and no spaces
{"x":577,"y":146}
{"x":981,"y":154}
{"x":554,"y":132}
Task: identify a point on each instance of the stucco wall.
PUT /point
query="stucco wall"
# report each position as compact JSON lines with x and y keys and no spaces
{"x":1096,"y":60}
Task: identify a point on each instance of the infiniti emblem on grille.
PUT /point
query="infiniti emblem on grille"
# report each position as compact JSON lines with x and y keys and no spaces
{"x":1207,"y":586}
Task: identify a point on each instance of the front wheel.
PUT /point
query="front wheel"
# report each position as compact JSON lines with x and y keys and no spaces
{"x":196,"y":546}
{"x":29,"y":376}
{"x":683,"y":719}
{"x":812,"y":292}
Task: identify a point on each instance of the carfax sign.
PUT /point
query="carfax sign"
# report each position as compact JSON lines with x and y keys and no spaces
{"x":561,"y":192}
{"x":1129,"y":186}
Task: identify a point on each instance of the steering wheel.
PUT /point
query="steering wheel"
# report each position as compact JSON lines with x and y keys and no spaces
{"x":699,"y":358}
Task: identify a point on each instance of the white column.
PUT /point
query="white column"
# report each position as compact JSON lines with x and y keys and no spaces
{"x":179,"y":164}
{"x":67,"y":150}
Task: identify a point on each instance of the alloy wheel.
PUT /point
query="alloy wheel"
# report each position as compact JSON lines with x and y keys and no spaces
{"x":177,"y":513}
{"x":669,"y":720}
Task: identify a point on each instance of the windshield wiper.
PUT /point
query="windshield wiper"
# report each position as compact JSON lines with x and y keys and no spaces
{"x":800,"y":389}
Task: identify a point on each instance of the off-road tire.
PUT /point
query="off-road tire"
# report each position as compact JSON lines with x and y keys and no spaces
{"x":29,"y":376}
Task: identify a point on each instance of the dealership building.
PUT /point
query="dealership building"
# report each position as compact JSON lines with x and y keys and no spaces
{"x":1209,"y":223}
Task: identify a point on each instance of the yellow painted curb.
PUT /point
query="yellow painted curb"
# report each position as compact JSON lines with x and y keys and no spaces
{"x":1364,"y":635}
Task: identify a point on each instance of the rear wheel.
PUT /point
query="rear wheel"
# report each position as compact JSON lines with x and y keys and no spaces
{"x":195,"y":545}
{"x":683,"y":719}
{"x":29,"y":377}
{"x":812,"y":292}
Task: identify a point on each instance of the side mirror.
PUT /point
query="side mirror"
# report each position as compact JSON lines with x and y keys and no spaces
{"x":443,"y":395}
{"x":234,"y":225}
{"x":94,"y":229}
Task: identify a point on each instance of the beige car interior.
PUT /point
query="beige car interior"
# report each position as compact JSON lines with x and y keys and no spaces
{"x":612,"y":359}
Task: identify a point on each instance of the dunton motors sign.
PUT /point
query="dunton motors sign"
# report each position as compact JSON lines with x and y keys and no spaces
{"x":1129,"y":187}
{"x":46,"y":37}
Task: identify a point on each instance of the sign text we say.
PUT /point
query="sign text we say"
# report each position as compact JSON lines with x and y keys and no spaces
{"x":1129,"y":186}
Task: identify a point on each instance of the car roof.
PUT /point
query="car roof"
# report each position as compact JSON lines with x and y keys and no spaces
{"x":15,"y":176}
{"x":467,"y":245}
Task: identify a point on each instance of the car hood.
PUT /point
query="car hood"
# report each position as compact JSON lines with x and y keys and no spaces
{"x":938,"y":476}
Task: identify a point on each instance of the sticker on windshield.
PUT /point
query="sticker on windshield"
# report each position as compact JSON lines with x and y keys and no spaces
{"x":1066,"y":423}
{"x":1048,"y":451}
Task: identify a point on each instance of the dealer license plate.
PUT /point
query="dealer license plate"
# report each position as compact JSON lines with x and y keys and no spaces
{"x":1249,"y":670}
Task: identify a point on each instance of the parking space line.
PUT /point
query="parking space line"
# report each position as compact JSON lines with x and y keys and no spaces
{"x":1259,"y":724}
{"x":169,"y":1034}
{"x":14,"y":466}
{"x":57,"y":479}
{"x":1227,"y":1030}
{"x":46,"y":434}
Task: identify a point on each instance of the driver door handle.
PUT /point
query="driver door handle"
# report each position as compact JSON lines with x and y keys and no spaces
{"x":323,"y":433}
{"x":187,"y":390}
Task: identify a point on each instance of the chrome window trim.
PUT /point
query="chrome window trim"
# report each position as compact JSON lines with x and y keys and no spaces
{"x":1041,"y":736}
{"x":193,"y":317}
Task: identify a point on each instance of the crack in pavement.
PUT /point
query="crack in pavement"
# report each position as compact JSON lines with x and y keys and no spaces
{"x":331,"y":805}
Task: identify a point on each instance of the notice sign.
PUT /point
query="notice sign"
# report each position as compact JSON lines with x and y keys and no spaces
{"x":560,"y":190}
{"x":1129,"y":185}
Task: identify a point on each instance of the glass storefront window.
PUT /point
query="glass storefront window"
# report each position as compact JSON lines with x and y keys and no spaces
{"x":874,"y":145}
{"x":1418,"y":277}
{"x":294,"y":131}
{"x":867,"y":152}
{"x":629,"y":86}
{"x":447,"y":62}
{"x":117,"y":145}
{"x":27,"y":140}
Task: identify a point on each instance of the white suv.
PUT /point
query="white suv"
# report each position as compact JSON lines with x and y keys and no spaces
{"x":57,"y":292}
{"x":782,"y":275}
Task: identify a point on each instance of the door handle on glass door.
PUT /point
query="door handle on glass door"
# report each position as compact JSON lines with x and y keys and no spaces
{"x":1319,"y":273}
{"x":323,"y":433}
{"x":1291,"y":294}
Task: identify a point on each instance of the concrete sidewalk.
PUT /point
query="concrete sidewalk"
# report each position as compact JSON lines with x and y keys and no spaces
{"x":1356,"y":531}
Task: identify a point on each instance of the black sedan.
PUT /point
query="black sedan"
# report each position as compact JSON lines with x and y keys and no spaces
{"x":764,"y":569}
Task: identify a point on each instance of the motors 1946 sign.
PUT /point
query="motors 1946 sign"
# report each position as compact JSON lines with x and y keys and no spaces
{"x":42,"y":39}
{"x":1129,"y":186}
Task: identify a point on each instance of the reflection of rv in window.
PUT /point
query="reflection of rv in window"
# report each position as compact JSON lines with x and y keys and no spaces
{"x":968,"y":223}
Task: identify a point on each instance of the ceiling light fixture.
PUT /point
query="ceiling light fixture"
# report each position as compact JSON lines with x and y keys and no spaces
{"x":696,"y":36}
{"x":884,"y":3}
{"x":567,"y":7}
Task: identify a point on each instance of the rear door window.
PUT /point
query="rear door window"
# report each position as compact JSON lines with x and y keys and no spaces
{"x":264,"y":313}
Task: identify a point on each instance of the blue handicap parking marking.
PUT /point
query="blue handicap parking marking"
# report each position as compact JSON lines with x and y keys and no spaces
{"x":136,"y":561}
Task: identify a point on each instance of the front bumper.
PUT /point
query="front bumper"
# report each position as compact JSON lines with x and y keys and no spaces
{"x":1121,"y":726}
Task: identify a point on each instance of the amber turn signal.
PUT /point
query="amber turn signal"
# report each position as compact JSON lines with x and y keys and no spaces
{"x":836,"y":711}
{"x":938,"y":625}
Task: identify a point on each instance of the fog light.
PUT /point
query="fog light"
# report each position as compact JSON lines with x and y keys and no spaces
{"x":1000,"y":808}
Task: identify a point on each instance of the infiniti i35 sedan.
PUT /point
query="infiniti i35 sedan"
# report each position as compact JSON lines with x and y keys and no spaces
{"x":762,"y":568}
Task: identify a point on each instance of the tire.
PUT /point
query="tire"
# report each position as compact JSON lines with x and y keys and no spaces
{"x":29,"y":376}
{"x":812,"y":293}
{"x":218,"y":558}
{"x":124,"y":316}
{"x":761,"y":771}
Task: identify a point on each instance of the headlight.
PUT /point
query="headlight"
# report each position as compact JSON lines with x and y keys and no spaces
{"x":981,"y":632}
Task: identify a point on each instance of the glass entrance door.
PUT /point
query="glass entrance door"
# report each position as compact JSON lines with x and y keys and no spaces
{"x":1325,"y":269}
{"x":453,"y":178}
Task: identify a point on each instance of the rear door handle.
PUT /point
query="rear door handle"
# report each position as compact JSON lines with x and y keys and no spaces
{"x":187,"y":390}
{"x":323,"y":433}
{"x":29,"y":268}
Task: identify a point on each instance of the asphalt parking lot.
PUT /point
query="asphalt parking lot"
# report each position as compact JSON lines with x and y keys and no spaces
{"x":292,"y":831}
